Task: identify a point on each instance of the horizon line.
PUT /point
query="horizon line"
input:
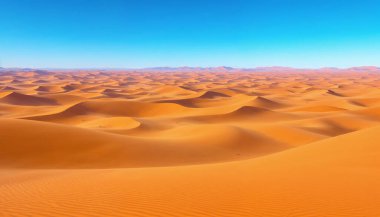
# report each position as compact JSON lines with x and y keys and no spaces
{"x":193,"y":67}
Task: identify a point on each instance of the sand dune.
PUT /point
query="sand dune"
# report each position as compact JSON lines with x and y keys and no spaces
{"x":244,"y":114}
{"x":265,"y":103}
{"x":22,"y":99}
{"x":84,"y":148}
{"x":112,"y":123}
{"x":219,"y":100}
{"x":319,"y":108}
{"x":192,"y":143}
{"x":320,"y":179}
{"x":50,"y":88}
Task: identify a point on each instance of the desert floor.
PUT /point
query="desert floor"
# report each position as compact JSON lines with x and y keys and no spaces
{"x":190,"y":144}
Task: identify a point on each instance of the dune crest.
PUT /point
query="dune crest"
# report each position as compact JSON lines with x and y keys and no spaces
{"x":23,"y":99}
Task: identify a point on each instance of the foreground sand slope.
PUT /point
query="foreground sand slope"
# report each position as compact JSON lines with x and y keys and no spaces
{"x":33,"y":144}
{"x":336,"y":177}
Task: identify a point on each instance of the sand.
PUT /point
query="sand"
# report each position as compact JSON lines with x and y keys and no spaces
{"x":190,"y":143}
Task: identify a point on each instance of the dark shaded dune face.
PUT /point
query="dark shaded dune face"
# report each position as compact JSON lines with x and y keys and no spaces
{"x":9,"y":88}
{"x":266,"y":103}
{"x":70,"y":87}
{"x":249,"y":110}
{"x":212,"y":95}
{"x":28,"y":100}
{"x":169,"y":89}
{"x":123,"y":108}
{"x":245,"y":114}
{"x":334,"y":93}
{"x":199,"y":101}
{"x":366,"y":102}
{"x":52,"y":88}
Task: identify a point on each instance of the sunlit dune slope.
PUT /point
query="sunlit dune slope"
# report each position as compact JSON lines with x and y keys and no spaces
{"x":335,"y":177}
{"x":41,"y":146}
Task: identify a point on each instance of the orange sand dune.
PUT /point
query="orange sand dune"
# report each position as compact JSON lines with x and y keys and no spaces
{"x":192,"y":143}
{"x":22,"y":99}
{"x":335,"y":177}
{"x":40,"y":146}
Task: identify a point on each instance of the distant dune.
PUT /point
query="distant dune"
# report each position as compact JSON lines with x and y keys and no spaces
{"x":190,"y":141}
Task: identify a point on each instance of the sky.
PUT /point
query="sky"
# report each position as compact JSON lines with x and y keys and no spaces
{"x":205,"y":33}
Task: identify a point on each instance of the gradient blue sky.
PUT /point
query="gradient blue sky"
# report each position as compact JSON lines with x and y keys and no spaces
{"x":147,"y":33}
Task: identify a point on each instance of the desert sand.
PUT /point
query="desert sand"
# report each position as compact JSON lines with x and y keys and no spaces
{"x":190,"y":143}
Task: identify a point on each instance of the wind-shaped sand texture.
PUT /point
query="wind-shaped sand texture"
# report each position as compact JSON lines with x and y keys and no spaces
{"x":123,"y":143}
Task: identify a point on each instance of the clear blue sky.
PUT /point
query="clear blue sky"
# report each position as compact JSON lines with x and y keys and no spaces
{"x":147,"y":33}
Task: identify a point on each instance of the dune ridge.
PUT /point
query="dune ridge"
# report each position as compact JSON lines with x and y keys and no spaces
{"x":24,"y":99}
